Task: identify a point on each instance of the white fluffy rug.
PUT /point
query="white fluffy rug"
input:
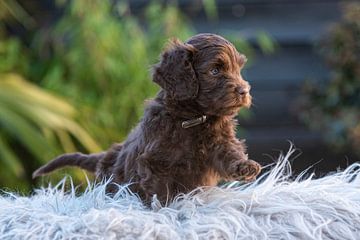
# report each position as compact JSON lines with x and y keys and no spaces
{"x":274,"y":207}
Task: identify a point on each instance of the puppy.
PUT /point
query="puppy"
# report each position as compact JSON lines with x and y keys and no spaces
{"x":186,"y":138}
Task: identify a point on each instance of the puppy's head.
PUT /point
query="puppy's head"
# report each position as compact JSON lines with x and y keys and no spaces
{"x":204,"y":70}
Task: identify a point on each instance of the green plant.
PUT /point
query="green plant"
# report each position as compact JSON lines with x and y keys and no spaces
{"x":100,"y":56}
{"x":334,"y":107}
{"x":33,"y":119}
{"x":35,"y":125}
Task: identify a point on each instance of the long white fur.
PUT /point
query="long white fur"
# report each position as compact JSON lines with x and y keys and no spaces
{"x":274,"y":207}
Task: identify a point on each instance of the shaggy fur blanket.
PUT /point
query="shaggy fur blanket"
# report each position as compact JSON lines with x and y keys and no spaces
{"x":276,"y":206}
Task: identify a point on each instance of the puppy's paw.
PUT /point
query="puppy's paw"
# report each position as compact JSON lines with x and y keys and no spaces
{"x":246,"y":170}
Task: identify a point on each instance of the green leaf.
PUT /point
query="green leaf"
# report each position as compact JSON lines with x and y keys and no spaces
{"x":25,"y":132}
{"x":27,"y":111}
{"x":266,"y":43}
{"x":210,"y":9}
{"x":8,"y":157}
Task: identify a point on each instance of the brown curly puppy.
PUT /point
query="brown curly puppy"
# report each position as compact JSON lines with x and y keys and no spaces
{"x":186,"y":138}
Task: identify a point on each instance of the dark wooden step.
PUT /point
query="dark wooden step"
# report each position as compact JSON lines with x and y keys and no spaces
{"x":286,"y":69}
{"x":286,"y":21}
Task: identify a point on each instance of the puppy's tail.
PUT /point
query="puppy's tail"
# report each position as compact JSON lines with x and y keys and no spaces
{"x":84,"y":161}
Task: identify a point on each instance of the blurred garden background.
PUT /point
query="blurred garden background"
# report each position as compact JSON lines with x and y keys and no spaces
{"x":74,"y":75}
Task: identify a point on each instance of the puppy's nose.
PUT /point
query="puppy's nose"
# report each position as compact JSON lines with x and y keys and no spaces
{"x":242,"y":90}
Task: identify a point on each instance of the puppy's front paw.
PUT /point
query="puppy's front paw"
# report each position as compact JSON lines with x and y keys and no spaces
{"x":246,"y":170}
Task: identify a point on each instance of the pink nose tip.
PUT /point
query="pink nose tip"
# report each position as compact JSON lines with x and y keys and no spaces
{"x":242,"y":90}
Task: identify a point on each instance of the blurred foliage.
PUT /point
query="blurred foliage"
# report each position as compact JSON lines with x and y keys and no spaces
{"x":211,"y":9}
{"x":97,"y":55}
{"x":36,"y":120}
{"x":11,"y":10}
{"x":334,"y":107}
{"x":266,"y":43}
{"x":34,"y":124}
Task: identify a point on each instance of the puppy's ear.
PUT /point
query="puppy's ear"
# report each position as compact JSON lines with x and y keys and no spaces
{"x":175,"y":72}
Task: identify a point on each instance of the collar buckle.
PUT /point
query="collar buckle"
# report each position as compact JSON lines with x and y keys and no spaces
{"x":193,"y":122}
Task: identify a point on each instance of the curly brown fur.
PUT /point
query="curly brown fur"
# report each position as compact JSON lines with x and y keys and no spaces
{"x":198,"y":78}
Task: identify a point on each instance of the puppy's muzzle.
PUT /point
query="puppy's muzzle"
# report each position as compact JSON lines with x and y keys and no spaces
{"x":242,"y":91}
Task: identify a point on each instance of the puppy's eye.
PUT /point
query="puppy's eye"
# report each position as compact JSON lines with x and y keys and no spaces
{"x":214,"y":71}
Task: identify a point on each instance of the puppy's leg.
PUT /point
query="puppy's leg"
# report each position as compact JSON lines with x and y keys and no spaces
{"x":244,"y":170}
{"x":112,"y":166}
{"x":233,"y":164}
{"x":145,"y":179}
{"x":154,"y":179}
{"x":106,"y":165}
